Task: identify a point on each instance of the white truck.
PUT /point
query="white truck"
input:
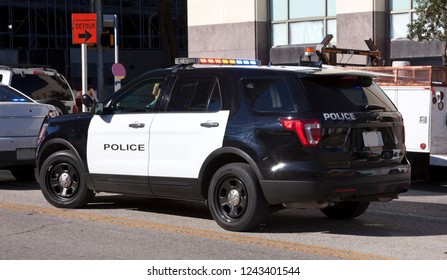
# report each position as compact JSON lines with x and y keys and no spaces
{"x":419,"y":94}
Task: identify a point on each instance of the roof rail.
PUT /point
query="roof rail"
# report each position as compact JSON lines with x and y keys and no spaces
{"x":23,"y":65}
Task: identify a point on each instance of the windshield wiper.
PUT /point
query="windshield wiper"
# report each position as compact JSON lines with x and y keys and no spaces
{"x":373,"y":107}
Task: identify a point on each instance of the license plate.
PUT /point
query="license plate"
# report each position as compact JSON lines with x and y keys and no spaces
{"x":372,"y":139}
{"x":25,"y":154}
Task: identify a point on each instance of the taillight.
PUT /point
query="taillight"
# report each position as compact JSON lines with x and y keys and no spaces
{"x":75,"y":109}
{"x":308,"y":130}
{"x":53,"y":113}
{"x":42,"y":132}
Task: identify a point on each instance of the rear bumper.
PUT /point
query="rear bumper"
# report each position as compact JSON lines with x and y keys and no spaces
{"x":338,"y":185}
{"x":17,"y":158}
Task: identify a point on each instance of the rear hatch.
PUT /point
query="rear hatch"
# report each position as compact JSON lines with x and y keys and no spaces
{"x":20,"y":119}
{"x":355,"y":123}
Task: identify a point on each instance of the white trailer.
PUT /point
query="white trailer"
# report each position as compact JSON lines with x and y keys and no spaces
{"x":419,"y":94}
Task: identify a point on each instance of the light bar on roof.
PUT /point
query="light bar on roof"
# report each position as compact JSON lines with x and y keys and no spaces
{"x":218,"y":61}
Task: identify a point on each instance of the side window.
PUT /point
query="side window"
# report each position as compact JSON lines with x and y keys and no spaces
{"x":268,"y":94}
{"x":141,"y":97}
{"x":195,"y":94}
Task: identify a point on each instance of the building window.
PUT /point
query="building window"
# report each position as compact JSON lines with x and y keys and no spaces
{"x":297,"y":22}
{"x":401,"y":14}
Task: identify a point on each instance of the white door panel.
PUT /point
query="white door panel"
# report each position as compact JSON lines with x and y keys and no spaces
{"x":180,"y":142}
{"x":414,"y":104}
{"x":118,"y":144}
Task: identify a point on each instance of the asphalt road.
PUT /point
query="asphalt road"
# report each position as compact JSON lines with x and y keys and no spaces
{"x":118,"y":227}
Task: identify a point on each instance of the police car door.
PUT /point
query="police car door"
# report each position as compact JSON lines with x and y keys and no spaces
{"x":118,"y":139}
{"x":183,"y":136}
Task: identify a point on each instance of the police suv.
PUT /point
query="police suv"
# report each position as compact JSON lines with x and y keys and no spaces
{"x":241,"y":137}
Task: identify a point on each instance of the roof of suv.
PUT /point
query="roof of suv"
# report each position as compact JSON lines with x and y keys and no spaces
{"x":254,"y":64}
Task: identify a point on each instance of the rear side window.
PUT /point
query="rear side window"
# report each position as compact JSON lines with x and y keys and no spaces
{"x":195,"y":94}
{"x":344,"y":93}
{"x":268,"y":94}
{"x":40,"y":87}
{"x":10,"y":95}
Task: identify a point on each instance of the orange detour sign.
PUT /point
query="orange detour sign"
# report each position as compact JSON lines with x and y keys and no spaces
{"x":84,"y":28}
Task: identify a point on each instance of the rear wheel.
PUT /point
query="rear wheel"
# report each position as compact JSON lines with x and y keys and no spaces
{"x":62,"y":181}
{"x":346,"y":209}
{"x":235,"y":198}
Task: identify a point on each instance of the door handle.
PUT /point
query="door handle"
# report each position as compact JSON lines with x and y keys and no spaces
{"x":136,"y":125}
{"x":209,"y":124}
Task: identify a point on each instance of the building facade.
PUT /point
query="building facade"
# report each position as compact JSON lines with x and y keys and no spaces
{"x":250,"y":28}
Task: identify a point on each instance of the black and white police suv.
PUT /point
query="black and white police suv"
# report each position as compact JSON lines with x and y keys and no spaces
{"x":239,"y":136}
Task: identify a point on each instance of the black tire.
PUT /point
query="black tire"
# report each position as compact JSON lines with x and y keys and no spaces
{"x":346,"y":209}
{"x":23,"y":173}
{"x":235,"y":198}
{"x":60,"y":106}
{"x":62,"y":181}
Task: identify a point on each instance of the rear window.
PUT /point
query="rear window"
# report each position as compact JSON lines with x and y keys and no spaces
{"x":9,"y":95}
{"x":344,"y":93}
{"x":40,"y":87}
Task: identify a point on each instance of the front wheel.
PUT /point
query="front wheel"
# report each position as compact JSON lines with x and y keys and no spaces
{"x":62,"y":181}
{"x":235,"y":198}
{"x":346,"y":209}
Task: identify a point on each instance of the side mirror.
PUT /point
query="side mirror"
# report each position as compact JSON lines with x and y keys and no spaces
{"x":98,"y":108}
{"x":87,"y":100}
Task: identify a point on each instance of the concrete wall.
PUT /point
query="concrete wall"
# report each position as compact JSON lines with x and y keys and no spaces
{"x":418,"y":53}
{"x":230,"y":28}
{"x":358,"y":21}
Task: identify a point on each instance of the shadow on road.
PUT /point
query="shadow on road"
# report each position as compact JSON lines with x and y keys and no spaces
{"x":393,"y":219}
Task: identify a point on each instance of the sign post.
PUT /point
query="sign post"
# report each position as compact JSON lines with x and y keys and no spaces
{"x":84,"y":32}
{"x":112,"y":21}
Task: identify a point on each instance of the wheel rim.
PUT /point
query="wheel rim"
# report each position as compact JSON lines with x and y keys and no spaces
{"x":232,"y":198}
{"x":63,"y":180}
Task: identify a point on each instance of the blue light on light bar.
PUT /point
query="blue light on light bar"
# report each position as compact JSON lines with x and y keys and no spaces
{"x":18,"y":99}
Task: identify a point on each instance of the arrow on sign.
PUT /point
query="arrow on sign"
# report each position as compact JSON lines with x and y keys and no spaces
{"x":86,"y":36}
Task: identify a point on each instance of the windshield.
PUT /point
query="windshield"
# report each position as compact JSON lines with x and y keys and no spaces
{"x":346,"y":93}
{"x":10,"y":95}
